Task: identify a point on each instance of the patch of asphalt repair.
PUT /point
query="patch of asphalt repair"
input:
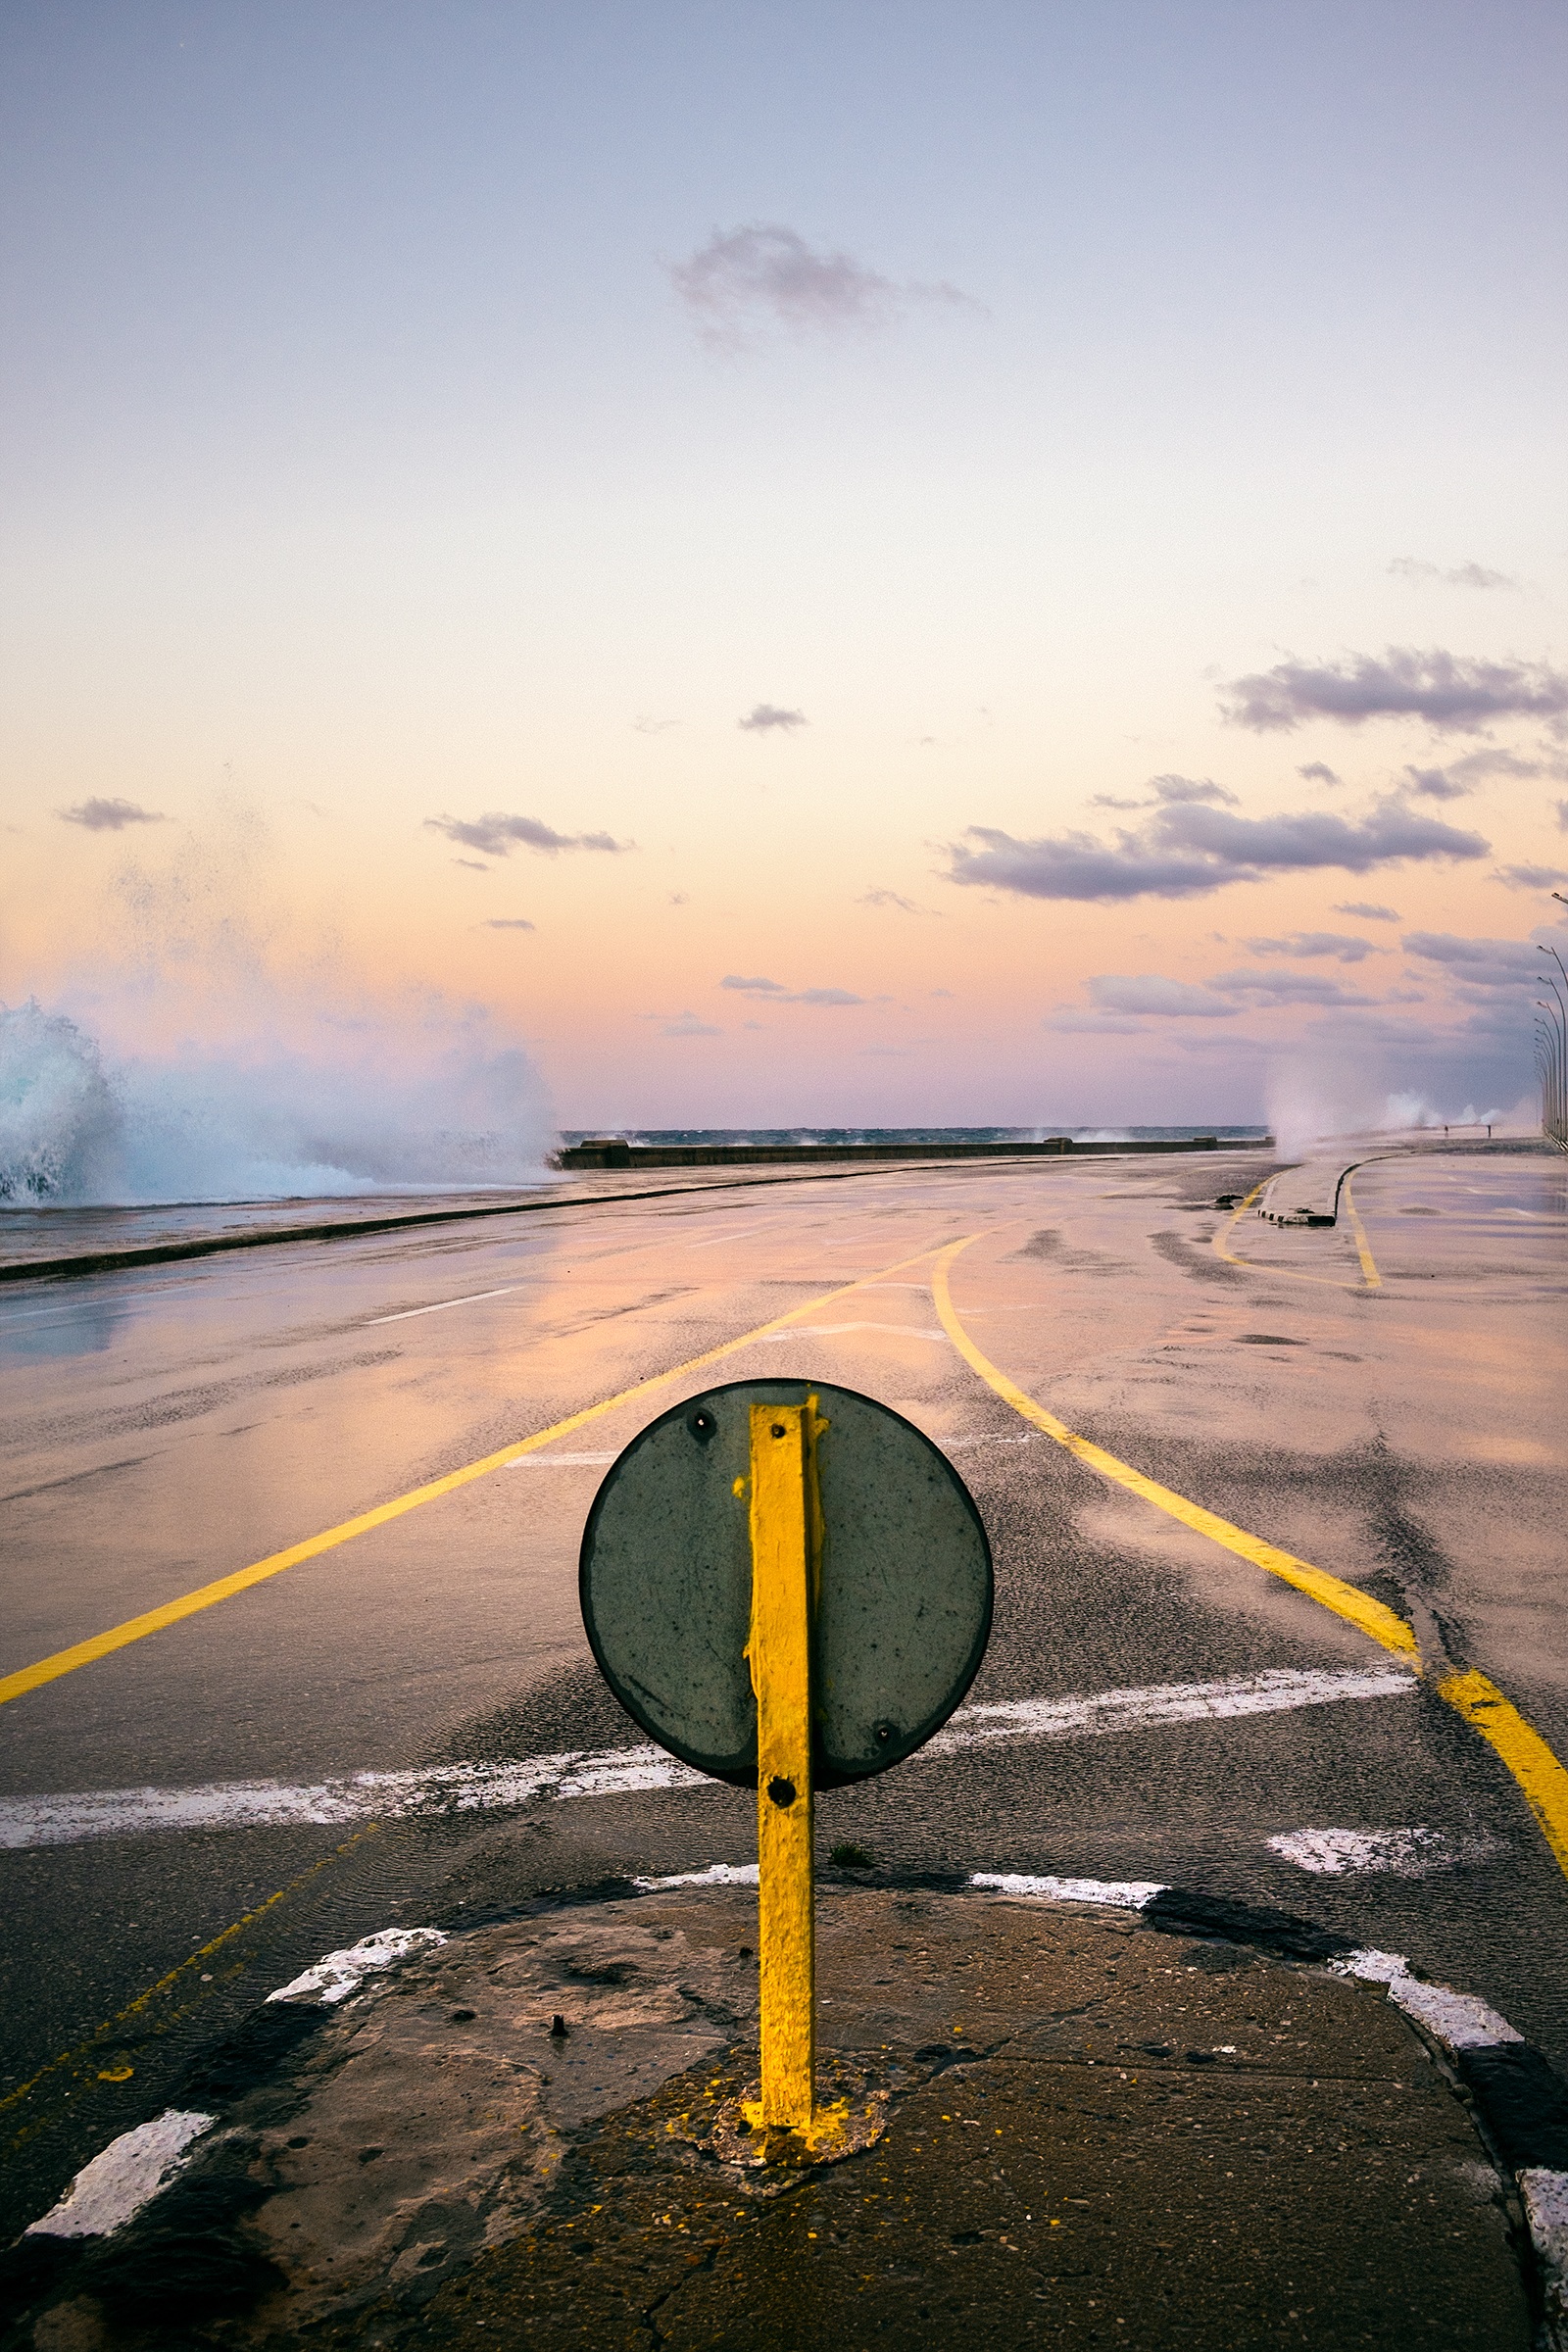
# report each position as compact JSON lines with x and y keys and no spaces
{"x":560,"y":2049}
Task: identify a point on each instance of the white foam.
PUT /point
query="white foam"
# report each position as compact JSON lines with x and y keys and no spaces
{"x":116,"y":2184}
{"x":334,"y":1978}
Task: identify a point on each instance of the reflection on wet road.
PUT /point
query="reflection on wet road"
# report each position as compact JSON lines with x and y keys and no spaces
{"x":166,"y":1430}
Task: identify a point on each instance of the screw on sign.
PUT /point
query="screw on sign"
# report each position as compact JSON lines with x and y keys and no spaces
{"x":787,"y":1585}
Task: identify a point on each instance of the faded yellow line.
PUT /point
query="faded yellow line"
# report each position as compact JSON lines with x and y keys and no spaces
{"x":1374,"y":1280}
{"x":1250,"y":1265}
{"x":111,"y":2031}
{"x":1229,"y":1227}
{"x":153,"y":1621}
{"x":1532,"y":1762}
{"x":1345,"y":1601}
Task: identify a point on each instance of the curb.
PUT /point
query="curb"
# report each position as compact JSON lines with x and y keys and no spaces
{"x":1518,"y":2102}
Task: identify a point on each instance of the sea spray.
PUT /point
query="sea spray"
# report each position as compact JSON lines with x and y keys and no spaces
{"x":436,"y":1102}
{"x":212,"y":1039}
{"x":62,"y":1130}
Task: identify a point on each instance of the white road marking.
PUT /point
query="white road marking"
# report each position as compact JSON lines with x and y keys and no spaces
{"x":444,"y":1788}
{"x":1130,"y":1893}
{"x":1461,"y":2019}
{"x":1331,"y":1853}
{"x":440,"y":1307}
{"x":1545,"y":2197}
{"x":1266,"y":1693}
{"x":718,"y":1874}
{"x":334,"y":1978}
{"x":117,"y":2184}
{"x":714,"y":1240}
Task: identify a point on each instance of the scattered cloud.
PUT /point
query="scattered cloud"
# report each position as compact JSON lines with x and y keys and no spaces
{"x":891,"y":898}
{"x":788,"y":996}
{"x":687,"y":1024}
{"x":654,"y":726}
{"x":1069,"y":1020}
{"x":1464,"y":575}
{"x":1342,"y":946}
{"x":1368,"y":911}
{"x":769,"y":719}
{"x":1286,"y":988}
{"x":1459,"y":776}
{"x":110,"y":816}
{"x":1436,"y":784}
{"x":939,"y":992}
{"x":497,"y":835}
{"x":1450,"y":694}
{"x":676,"y":898}
{"x":1562,"y":816}
{"x":507,"y":922}
{"x":1529,"y":877}
{"x":1171,"y":790}
{"x":1187,"y":851}
{"x":1150,"y":992}
{"x":1179,"y":790}
{"x":1316,"y":772}
{"x":475,"y":866}
{"x":763,"y":276}
{"x":1479,"y":962}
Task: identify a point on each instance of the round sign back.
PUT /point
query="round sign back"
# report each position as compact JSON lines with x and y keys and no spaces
{"x":901,"y":1620}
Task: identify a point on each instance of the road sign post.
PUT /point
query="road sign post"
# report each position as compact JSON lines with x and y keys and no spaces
{"x":783,"y":1484}
{"x":788,"y":1585}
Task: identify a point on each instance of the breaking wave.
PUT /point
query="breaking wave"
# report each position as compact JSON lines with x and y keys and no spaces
{"x":440,"y":1103}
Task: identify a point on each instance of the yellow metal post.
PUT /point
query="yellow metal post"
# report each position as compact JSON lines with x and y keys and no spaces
{"x":783,"y":1529}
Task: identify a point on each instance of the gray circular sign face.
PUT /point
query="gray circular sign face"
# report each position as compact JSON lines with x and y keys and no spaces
{"x":904,"y":1613}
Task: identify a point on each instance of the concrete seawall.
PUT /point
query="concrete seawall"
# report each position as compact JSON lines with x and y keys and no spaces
{"x":612,"y":1152}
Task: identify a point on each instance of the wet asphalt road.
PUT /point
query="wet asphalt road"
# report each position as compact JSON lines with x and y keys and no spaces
{"x":163,"y":1430}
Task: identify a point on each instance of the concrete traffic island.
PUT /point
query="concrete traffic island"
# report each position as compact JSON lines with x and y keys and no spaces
{"x":1102,"y":2126}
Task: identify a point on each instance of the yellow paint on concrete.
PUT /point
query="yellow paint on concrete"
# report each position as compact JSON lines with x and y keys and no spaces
{"x":779,"y":1653}
{"x":153,"y":1621}
{"x":1345,"y":1601}
{"x":1363,"y":1248}
{"x":1535,"y":1767}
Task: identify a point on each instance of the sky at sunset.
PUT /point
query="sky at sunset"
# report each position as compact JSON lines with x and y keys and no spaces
{"x":738,"y":565}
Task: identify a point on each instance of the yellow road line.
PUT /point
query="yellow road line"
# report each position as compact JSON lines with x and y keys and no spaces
{"x":1532,"y":1762}
{"x":1374,"y":1280}
{"x":1345,"y":1601}
{"x":1535,"y":1767}
{"x":153,"y":1621}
